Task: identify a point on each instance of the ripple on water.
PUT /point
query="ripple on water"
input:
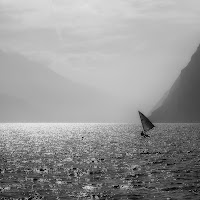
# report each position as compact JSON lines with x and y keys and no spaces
{"x":99,"y":161}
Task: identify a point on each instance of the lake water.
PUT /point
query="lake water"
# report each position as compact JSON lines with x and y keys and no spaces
{"x":99,"y":161}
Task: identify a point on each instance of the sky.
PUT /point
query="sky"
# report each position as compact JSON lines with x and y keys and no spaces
{"x":132,"y":49}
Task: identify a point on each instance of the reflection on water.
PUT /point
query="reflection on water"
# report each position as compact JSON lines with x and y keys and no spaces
{"x":99,"y":161}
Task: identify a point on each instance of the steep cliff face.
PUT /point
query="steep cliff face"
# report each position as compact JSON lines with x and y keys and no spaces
{"x":182,"y":103}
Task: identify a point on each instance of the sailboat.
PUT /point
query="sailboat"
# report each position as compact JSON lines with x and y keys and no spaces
{"x":146,"y":124}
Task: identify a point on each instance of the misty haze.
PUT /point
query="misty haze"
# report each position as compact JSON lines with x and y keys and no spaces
{"x":99,"y":99}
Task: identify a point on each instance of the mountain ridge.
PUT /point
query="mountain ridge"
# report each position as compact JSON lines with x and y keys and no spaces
{"x":48,"y":96}
{"x":182,"y":104}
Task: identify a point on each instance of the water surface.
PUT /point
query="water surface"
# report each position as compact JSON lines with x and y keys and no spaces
{"x":99,"y":161}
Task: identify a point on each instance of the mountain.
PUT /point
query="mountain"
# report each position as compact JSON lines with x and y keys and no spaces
{"x":182,"y":103}
{"x":12,"y":108}
{"x":31,"y":92}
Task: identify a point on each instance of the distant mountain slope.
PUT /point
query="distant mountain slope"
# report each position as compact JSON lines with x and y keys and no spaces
{"x":12,"y":108}
{"x":39,"y":94}
{"x":182,"y":103}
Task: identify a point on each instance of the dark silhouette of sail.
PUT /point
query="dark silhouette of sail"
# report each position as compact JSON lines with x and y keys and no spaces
{"x":146,"y":123}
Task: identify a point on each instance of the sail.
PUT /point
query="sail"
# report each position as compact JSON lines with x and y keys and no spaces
{"x":146,"y":124}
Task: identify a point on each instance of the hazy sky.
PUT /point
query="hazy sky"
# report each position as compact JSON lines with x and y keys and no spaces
{"x":134,"y":49}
